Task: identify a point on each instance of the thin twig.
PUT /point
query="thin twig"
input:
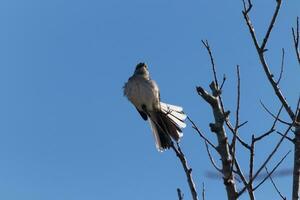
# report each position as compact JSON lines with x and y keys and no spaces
{"x":238,"y":99}
{"x":206,"y":44}
{"x":240,"y":173}
{"x":211,"y":159}
{"x":286,"y":137}
{"x":296,"y":169}
{"x":180,"y":194}
{"x":247,"y":146}
{"x":274,"y":116}
{"x":249,"y":23}
{"x":272,"y":171}
{"x":217,"y":92}
{"x":242,"y":124}
{"x":246,"y":184}
{"x":251,"y":164}
{"x":247,"y":8}
{"x":281,"y":68}
{"x":296,"y":39}
{"x":233,"y":142}
{"x":222,"y":84}
{"x":267,"y":159}
{"x":237,"y":115}
{"x":264,"y":135}
{"x":230,"y":127}
{"x":194,"y":126}
{"x":272,"y":129}
{"x":273,"y":183}
{"x":271,"y":25}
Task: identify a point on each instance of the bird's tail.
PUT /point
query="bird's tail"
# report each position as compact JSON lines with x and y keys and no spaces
{"x":166,"y":124}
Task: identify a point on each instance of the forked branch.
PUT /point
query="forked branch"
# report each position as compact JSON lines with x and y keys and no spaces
{"x":261,"y":50}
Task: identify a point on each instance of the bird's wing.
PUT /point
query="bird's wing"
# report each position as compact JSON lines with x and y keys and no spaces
{"x":143,"y":114}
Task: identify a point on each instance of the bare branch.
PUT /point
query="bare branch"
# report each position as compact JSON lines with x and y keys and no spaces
{"x":238,"y":99}
{"x":241,"y":175}
{"x":247,"y":146}
{"x":281,"y":68}
{"x":180,"y":194}
{"x":268,"y":111}
{"x":249,"y":24}
{"x":237,"y":115}
{"x":264,"y":135}
{"x":272,"y":153}
{"x":201,"y":134}
{"x":286,"y":137}
{"x":296,"y":170}
{"x":261,"y":50}
{"x":269,"y":174}
{"x":251,"y":164}
{"x":273,"y":183}
{"x":296,"y":39}
{"x":223,"y":145}
{"x":206,"y":44}
{"x":265,"y":40}
{"x":216,"y":90}
{"x":187,"y":170}
{"x":229,"y":126}
{"x":272,"y":129}
{"x":211,"y":159}
{"x":247,"y":8}
{"x":242,"y":124}
{"x":267,"y":159}
{"x":222,"y":84}
{"x":212,"y":100}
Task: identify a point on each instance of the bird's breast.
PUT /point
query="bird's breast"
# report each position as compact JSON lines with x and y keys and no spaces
{"x":141,"y":93}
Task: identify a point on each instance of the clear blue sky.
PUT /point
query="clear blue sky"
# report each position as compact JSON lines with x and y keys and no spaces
{"x":67,"y":132}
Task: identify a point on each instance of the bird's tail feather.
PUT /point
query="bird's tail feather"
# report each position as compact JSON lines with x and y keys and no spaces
{"x":162,"y":139}
{"x":175,"y":113}
{"x":167,"y":124}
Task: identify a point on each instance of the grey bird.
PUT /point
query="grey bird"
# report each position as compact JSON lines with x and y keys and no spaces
{"x":166,"y":121}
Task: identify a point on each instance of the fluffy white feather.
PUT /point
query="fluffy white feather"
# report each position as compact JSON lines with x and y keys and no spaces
{"x":172,"y":107}
{"x":180,"y":123}
{"x":156,"y":136}
{"x":175,"y":113}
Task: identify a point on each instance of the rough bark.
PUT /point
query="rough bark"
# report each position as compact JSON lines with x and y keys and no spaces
{"x":296,"y":172}
{"x":223,"y":145}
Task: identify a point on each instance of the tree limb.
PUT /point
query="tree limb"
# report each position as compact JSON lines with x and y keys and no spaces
{"x":261,"y":49}
{"x":187,"y":170}
{"x":296,"y":39}
{"x":223,"y":146}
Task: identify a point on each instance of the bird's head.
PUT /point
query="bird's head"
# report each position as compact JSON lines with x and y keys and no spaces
{"x":142,"y":70}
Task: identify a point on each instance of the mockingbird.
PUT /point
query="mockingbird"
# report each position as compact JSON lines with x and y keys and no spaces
{"x":166,"y":121}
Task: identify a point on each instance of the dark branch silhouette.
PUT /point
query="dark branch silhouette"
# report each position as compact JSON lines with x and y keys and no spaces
{"x":187,"y":170}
